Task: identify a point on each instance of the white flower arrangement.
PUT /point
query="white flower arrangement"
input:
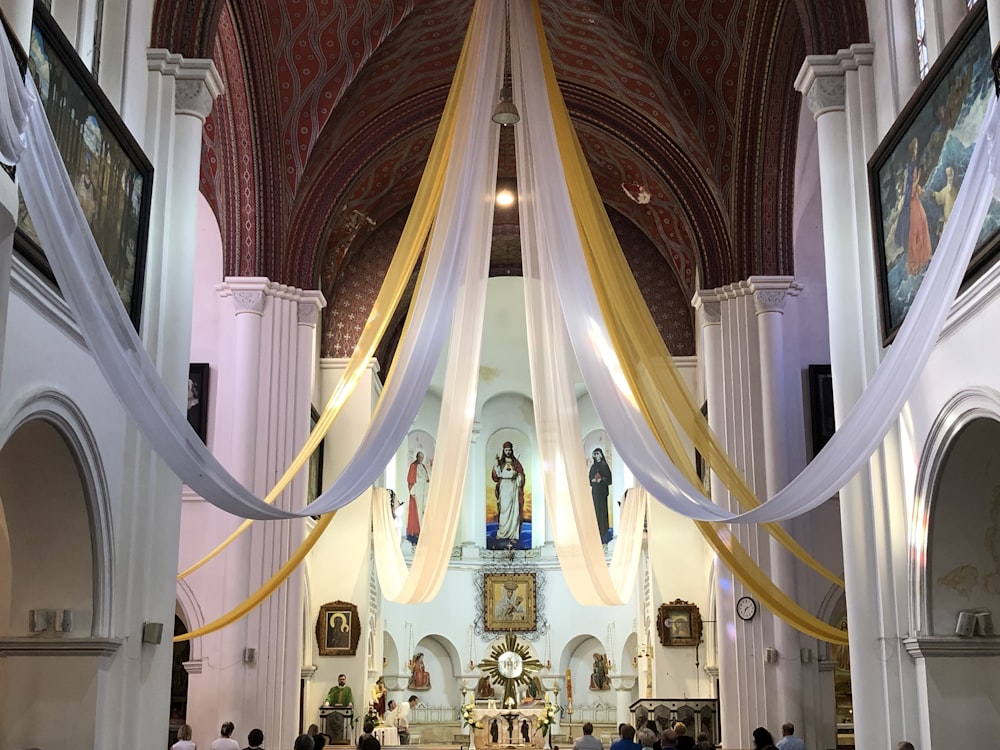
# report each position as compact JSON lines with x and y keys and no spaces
{"x":547,"y":718}
{"x":469,"y":717}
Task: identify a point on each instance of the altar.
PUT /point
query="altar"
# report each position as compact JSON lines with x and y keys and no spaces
{"x":515,"y":727}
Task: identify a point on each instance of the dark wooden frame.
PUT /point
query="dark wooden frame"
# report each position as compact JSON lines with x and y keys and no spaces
{"x":960,"y":76}
{"x":334,"y":616}
{"x":492,"y":584}
{"x":198,"y":377}
{"x":821,"y":412}
{"x":684,"y":612}
{"x":113,"y":167}
{"x":314,"y":485}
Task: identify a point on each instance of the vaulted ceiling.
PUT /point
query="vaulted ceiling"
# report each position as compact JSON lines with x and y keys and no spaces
{"x":312,"y":156}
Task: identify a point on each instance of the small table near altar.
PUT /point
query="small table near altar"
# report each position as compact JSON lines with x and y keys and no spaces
{"x":510,"y":731}
{"x":387,"y":735}
{"x":338,"y":724}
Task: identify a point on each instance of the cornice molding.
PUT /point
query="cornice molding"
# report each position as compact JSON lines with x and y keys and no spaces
{"x":31,"y":646}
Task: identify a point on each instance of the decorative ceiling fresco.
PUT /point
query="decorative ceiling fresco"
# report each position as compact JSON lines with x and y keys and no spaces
{"x":685,"y":110}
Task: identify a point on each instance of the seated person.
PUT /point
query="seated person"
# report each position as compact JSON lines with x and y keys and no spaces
{"x":368,"y":740}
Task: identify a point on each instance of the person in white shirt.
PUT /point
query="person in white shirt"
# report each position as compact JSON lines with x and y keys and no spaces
{"x":226,"y":741}
{"x":788,"y":739}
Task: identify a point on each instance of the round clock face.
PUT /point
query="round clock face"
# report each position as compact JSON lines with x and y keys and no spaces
{"x":510,"y":665}
{"x":746,"y":608}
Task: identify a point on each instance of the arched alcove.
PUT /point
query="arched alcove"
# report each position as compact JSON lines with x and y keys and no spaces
{"x":52,"y":563}
{"x":963,"y":536}
{"x":954,"y":553}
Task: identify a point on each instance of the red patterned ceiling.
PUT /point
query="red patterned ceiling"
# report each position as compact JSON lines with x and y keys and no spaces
{"x":331,"y":106}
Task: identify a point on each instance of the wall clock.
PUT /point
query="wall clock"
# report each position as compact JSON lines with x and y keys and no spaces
{"x":746,"y":607}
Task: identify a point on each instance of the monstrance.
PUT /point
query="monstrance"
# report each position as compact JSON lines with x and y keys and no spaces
{"x":510,"y":664}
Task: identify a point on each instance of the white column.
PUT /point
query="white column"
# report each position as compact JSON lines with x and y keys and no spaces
{"x":770,"y":294}
{"x":472,"y":521}
{"x":623,"y":698}
{"x":249,"y":302}
{"x":993,"y":13}
{"x":340,"y":566}
{"x":839,"y":90}
{"x":172,"y":141}
{"x":182,"y":93}
{"x":708,"y":307}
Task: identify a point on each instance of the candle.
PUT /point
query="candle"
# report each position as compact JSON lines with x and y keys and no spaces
{"x":569,"y":686}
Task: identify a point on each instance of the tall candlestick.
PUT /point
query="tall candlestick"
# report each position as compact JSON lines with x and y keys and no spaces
{"x":569,"y":686}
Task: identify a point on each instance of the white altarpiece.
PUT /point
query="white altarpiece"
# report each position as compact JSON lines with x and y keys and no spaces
{"x":510,"y":730}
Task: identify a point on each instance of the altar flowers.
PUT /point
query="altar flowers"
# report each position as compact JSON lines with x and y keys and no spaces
{"x":469,"y":717}
{"x":547,"y":718}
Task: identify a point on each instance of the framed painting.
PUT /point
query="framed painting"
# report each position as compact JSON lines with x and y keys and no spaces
{"x":315,"y":484}
{"x":824,"y":423}
{"x":197,"y":401}
{"x":679,"y":624}
{"x":509,"y":602}
{"x":111,"y":175}
{"x":916,"y":173}
{"x":338,"y":629}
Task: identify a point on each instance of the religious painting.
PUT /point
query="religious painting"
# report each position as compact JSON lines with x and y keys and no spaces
{"x":509,"y":602}
{"x":420,"y":464}
{"x":508,"y":490}
{"x":597,"y":447}
{"x":679,"y":624}
{"x":197,"y":399}
{"x":917,"y":171}
{"x":338,"y":629}
{"x":111,"y":175}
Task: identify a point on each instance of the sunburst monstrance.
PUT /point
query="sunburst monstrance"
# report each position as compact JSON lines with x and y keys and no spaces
{"x":510,"y":664}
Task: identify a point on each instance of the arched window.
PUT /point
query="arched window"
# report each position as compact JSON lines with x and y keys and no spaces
{"x":918,"y":15}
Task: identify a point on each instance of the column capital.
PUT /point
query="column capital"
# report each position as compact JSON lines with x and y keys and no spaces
{"x":198,"y":81}
{"x":709,"y":304}
{"x":770,"y":292}
{"x":821,"y":77}
{"x":310,"y":303}
{"x":249,"y":293}
{"x":192,"y":667}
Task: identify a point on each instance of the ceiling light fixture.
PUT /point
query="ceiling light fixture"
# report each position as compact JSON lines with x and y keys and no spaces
{"x":505,"y":198}
{"x":506,"y":113}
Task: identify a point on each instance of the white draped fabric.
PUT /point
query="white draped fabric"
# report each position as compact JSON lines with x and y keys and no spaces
{"x":867,"y":424}
{"x":469,"y":202}
{"x":118,"y":351}
{"x":562,"y":305}
{"x":14,"y":106}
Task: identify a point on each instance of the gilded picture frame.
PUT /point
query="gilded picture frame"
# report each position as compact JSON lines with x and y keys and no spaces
{"x":338,"y":629}
{"x":510,"y":602}
{"x":679,"y":624}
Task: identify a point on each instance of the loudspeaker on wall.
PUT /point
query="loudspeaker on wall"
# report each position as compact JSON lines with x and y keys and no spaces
{"x":966,"y":624}
{"x":152,"y":632}
{"x":39,"y":620}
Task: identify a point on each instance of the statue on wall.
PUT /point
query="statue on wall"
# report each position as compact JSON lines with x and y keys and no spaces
{"x":419,"y":677}
{"x":599,"y":677}
{"x":485,"y":689}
